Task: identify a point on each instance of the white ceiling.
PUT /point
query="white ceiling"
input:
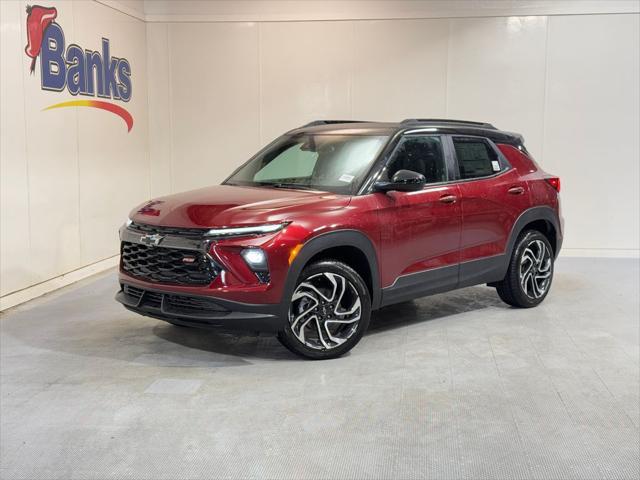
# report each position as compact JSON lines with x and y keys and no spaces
{"x":298,"y":10}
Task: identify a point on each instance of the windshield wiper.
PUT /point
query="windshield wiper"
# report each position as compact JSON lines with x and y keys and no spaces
{"x":288,"y":185}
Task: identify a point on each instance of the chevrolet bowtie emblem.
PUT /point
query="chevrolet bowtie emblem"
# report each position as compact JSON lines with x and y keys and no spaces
{"x":153,"y":240}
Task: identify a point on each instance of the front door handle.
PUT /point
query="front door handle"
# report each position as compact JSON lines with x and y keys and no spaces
{"x":448,"y":199}
{"x":516,"y":190}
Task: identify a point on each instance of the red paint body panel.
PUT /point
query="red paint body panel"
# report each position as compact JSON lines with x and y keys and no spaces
{"x":489,"y":212}
{"x":418,"y":231}
{"x":223,"y":205}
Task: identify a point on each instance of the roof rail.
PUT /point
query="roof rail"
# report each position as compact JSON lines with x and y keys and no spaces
{"x":315,"y":123}
{"x":448,"y":121}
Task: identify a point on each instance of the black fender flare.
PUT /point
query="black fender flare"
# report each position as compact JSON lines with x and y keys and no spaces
{"x":319,"y":243}
{"x":531,"y":215}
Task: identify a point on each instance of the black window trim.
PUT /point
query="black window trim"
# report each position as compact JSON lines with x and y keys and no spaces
{"x":453,"y":173}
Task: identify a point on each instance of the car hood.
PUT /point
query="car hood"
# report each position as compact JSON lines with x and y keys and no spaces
{"x":227,"y":205}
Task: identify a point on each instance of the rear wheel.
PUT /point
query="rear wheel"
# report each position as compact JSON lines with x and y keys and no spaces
{"x":530,"y":272}
{"x":329,"y":311}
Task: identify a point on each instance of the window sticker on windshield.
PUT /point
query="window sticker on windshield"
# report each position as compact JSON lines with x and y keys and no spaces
{"x":346,"y":178}
{"x":495,"y":165}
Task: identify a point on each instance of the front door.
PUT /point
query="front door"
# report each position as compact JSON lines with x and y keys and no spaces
{"x":420,"y":231}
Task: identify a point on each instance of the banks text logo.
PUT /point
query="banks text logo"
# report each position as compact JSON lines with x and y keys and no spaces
{"x":79,"y":71}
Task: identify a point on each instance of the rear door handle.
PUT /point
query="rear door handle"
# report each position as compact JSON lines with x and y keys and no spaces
{"x":448,"y":199}
{"x":516,"y":190}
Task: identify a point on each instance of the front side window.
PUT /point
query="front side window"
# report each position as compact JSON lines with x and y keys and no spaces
{"x":422,"y":154}
{"x":476,"y":158}
{"x":333,"y":163}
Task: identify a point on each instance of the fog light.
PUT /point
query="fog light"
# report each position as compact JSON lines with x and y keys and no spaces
{"x":256,"y":258}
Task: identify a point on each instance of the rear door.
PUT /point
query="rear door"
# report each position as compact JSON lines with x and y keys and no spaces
{"x":492,"y":196}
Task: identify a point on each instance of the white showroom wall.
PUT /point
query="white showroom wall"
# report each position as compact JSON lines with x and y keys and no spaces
{"x":69,"y":175}
{"x":570,"y":83}
{"x":214,"y":81}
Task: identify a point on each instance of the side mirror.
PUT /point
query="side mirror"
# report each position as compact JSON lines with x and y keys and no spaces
{"x":402,"y":181}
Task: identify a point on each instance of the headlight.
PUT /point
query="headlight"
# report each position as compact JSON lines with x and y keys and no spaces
{"x":129,"y":222}
{"x":241,"y":231}
{"x":256,"y":259}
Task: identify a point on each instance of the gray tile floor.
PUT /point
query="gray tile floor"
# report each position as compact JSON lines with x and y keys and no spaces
{"x":451,"y":386}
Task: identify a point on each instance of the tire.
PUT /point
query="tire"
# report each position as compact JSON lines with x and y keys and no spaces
{"x":328,"y":313}
{"x":528,"y":279}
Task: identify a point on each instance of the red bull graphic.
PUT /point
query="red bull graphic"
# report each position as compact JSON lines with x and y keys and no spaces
{"x":38,"y":19}
{"x":79,"y":71}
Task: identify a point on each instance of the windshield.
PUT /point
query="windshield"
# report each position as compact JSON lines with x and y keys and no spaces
{"x":333,"y":163}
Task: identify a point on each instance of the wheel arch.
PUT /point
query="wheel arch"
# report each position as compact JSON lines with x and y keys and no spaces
{"x":349,"y":246}
{"x":543,"y":219}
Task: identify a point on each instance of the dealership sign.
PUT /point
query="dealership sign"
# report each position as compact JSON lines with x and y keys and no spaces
{"x":74,"y":69}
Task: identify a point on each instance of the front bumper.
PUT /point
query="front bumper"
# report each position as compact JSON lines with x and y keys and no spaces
{"x":200,"y":311}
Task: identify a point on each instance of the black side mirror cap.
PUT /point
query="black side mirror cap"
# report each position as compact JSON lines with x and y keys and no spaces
{"x":402,"y":181}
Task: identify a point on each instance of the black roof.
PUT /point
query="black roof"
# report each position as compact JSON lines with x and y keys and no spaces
{"x":436,"y":125}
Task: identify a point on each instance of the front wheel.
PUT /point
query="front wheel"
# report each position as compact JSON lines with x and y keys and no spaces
{"x":328,"y":313}
{"x":530,"y":272}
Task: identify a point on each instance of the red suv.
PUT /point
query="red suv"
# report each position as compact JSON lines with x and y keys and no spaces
{"x":338,"y":218}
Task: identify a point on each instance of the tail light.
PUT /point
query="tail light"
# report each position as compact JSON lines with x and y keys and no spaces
{"x":554,"y":182}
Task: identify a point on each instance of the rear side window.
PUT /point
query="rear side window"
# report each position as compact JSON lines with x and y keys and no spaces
{"x":476,"y":158}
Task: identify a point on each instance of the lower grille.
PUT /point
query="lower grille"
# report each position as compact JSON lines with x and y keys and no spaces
{"x":167,"y":265}
{"x":170,"y":303}
{"x":133,"y":291}
{"x":152,"y":299}
{"x":192,"y":303}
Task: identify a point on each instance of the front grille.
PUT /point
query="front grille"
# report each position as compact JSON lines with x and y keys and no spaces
{"x":179,"y":231}
{"x":167,"y":265}
{"x":170,"y":303}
